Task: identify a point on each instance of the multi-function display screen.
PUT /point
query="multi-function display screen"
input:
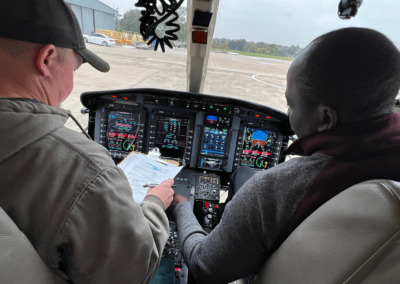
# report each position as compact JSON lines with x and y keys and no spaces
{"x":214,"y":141}
{"x":171,"y":136}
{"x":211,"y":119}
{"x":218,"y":120}
{"x":211,"y":163}
{"x":123,"y":128}
{"x":257,"y":147}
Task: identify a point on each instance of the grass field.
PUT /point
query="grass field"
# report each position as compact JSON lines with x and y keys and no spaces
{"x":257,"y":54}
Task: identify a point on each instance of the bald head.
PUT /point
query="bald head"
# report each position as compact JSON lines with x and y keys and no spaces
{"x":345,"y":76}
{"x":355,"y":70}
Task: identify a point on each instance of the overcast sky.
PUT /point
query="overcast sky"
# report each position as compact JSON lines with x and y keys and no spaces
{"x":297,"y":22}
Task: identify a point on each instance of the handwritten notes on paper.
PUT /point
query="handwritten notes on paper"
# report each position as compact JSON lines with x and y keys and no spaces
{"x":141,"y":170}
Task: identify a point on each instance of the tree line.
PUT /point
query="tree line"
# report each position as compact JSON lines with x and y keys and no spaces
{"x":256,"y":47}
{"x":130,"y":22}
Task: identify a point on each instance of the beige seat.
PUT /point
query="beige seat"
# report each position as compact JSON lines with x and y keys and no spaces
{"x":353,"y":238}
{"x":19,"y":261}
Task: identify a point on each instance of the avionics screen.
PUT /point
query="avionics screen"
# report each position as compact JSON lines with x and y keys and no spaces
{"x":123,"y":128}
{"x":214,"y":141}
{"x":171,"y":136}
{"x":210,"y":163}
{"x":257,"y":148}
{"x":211,"y":119}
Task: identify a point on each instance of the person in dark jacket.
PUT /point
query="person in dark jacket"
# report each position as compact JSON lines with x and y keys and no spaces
{"x":340,"y":93}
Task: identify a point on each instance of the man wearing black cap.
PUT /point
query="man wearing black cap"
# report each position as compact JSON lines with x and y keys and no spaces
{"x":61,"y":189}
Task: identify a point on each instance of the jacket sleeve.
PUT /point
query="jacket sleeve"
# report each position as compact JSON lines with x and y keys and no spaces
{"x":108,"y":237}
{"x":235,"y":249}
{"x":252,"y":224}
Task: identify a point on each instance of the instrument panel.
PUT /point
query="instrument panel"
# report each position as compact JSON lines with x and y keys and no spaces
{"x":200,"y":131}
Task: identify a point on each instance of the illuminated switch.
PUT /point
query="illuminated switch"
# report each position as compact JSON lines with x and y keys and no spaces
{"x":199,"y":37}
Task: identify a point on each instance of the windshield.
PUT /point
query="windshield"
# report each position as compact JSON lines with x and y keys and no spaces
{"x":254,"y":45}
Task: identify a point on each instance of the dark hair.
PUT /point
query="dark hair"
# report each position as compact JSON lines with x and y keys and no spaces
{"x":351,"y":69}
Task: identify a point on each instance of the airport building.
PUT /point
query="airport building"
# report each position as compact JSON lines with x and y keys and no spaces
{"x":93,"y":14}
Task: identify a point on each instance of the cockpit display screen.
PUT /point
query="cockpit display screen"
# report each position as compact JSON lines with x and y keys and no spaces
{"x":171,"y":136}
{"x":214,"y":141}
{"x":122,"y":131}
{"x":211,"y":119}
{"x":257,"y":148}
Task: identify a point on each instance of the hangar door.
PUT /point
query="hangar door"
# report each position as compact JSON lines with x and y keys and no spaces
{"x":104,"y":21}
{"x":88,"y":21}
{"x":78,"y":13}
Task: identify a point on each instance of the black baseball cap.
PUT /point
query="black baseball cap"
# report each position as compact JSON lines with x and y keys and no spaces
{"x":46,"y":22}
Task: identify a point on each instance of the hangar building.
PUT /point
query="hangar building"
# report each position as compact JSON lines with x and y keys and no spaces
{"x":93,"y":14}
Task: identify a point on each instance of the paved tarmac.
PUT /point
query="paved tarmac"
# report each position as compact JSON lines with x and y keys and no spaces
{"x":260,"y":80}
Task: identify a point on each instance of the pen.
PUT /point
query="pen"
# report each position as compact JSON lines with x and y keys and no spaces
{"x":154,"y":185}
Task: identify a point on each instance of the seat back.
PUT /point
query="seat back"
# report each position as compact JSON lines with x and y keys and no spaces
{"x":19,"y":261}
{"x":353,"y":238}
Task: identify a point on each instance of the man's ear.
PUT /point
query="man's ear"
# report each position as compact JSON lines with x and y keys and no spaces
{"x":45,"y":59}
{"x":328,"y":118}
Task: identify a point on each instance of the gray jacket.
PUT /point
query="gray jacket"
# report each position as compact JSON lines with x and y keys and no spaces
{"x":75,"y":206}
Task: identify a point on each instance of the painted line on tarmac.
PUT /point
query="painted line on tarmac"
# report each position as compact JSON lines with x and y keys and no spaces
{"x":267,"y":63}
{"x":257,"y":62}
{"x":269,"y":75}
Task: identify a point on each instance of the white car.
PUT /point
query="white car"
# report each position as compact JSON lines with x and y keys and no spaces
{"x":99,"y":39}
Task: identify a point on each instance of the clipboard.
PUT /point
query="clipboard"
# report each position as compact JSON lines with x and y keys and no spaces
{"x":143,"y":169}
{"x":138,"y":153}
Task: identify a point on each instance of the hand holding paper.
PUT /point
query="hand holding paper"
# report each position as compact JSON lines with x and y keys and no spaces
{"x":141,"y":170}
{"x":164,"y":192}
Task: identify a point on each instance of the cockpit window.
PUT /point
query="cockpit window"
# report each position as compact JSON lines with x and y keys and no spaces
{"x":254,"y":45}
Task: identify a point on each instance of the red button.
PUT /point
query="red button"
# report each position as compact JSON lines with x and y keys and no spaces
{"x":199,"y":37}
{"x":217,"y":206}
{"x":207,"y":204}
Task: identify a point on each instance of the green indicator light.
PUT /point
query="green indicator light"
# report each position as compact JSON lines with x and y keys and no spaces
{"x":211,"y":107}
{"x":217,"y":109}
{"x":177,"y":178}
{"x":225,"y":108}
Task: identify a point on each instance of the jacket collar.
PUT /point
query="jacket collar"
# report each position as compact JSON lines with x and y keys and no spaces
{"x":356,"y":140}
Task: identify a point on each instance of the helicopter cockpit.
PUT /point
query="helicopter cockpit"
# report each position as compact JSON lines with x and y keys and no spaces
{"x":212,"y":136}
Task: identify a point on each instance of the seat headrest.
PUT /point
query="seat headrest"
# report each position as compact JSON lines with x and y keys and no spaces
{"x":353,"y":238}
{"x":19,"y":261}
